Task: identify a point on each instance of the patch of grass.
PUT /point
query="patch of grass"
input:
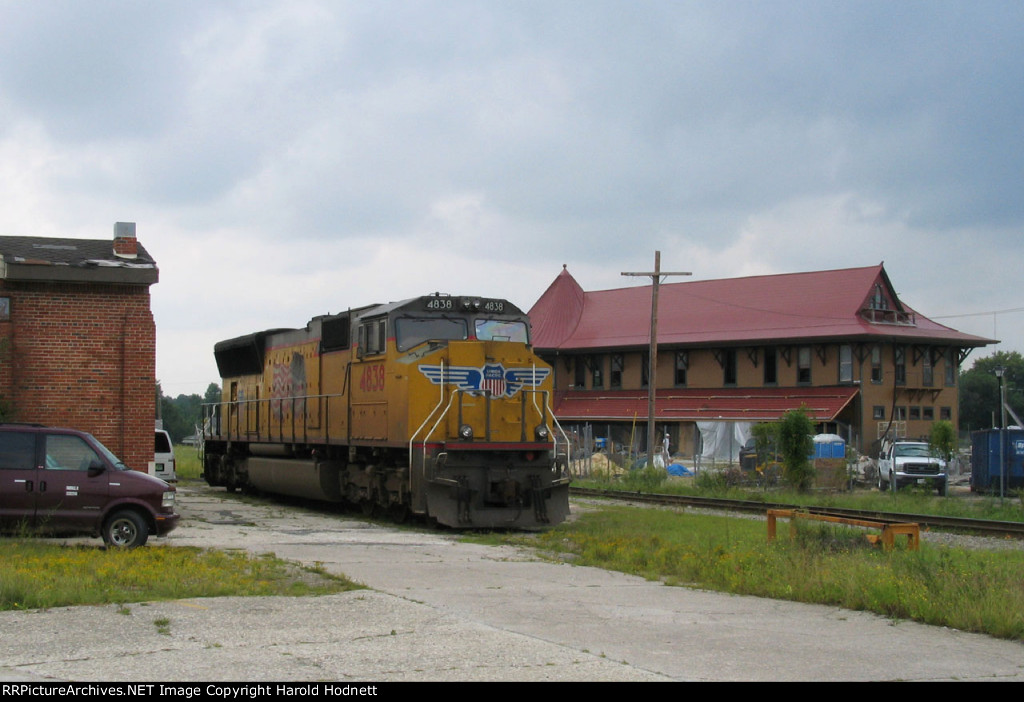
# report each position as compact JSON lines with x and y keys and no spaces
{"x":186,"y":462}
{"x":38,"y":575}
{"x":981,"y":591}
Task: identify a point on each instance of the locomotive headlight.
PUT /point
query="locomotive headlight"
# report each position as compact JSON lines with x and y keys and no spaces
{"x":465,"y":432}
{"x":541,"y":432}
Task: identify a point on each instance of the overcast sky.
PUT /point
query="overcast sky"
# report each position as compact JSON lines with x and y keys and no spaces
{"x":294,"y":158}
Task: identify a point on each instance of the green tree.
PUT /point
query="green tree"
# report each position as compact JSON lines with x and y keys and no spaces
{"x":765,"y":440}
{"x":182,"y":414}
{"x":942,"y":439}
{"x":796,"y":444}
{"x":979,"y":389}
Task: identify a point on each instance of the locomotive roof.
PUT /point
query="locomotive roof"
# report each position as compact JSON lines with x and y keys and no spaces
{"x":373,"y":310}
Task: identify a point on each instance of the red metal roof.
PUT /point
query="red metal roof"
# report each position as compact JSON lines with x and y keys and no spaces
{"x":822,"y":404}
{"x":770,"y":308}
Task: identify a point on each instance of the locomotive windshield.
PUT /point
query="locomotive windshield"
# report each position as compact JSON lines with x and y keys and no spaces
{"x":412,"y":331}
{"x":501,"y":330}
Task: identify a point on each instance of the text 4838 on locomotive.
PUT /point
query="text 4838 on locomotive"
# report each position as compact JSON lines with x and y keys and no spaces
{"x":435,"y":406}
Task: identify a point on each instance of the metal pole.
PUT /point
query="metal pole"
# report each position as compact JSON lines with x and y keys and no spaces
{"x":652,"y":362}
{"x":1002,"y":436}
{"x":1000,"y":372}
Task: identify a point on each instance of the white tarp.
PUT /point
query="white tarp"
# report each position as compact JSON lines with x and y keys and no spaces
{"x":723,"y":440}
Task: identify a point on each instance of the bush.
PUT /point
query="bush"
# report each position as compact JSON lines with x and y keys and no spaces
{"x":796,"y":444}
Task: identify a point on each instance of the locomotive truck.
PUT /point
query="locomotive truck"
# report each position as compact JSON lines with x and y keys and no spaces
{"x":434,"y":406}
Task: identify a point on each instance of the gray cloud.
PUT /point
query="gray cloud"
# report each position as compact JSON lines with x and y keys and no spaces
{"x":738,"y":137}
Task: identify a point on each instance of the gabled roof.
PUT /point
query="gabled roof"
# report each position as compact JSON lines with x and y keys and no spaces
{"x":851,"y":303}
{"x":72,"y":260}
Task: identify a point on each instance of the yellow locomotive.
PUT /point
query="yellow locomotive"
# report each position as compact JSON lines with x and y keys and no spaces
{"x":435,"y":406}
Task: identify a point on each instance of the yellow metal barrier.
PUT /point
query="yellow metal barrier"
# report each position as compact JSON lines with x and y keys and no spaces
{"x":889,"y":529}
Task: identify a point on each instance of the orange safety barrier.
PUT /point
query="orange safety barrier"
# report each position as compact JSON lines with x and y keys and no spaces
{"x":889,"y":529}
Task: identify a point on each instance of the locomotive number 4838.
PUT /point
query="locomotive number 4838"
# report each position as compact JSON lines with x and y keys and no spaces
{"x":372,"y":379}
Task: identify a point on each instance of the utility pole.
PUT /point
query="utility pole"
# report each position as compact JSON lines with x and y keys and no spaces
{"x":652,"y":363}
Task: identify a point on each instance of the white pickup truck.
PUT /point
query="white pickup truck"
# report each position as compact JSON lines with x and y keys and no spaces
{"x":905,"y":463}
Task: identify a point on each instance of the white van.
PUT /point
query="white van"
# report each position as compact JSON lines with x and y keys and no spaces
{"x":163,"y":458}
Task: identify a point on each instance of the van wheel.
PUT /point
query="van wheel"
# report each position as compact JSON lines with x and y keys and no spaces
{"x":125,"y":529}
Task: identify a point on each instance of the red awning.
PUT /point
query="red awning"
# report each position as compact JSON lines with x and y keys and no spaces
{"x":822,"y":404}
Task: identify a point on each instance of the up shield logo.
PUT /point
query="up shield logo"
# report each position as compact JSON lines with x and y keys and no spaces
{"x":492,"y":378}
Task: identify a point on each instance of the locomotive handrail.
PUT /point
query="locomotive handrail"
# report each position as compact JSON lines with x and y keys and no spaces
{"x":412,"y":437}
{"x":451,"y":399}
{"x":232,"y":427}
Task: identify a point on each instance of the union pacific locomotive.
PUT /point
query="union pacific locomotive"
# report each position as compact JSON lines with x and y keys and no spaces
{"x":434,"y":406}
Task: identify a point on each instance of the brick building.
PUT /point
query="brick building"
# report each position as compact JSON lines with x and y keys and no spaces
{"x":77,"y":337}
{"x":738,"y":351}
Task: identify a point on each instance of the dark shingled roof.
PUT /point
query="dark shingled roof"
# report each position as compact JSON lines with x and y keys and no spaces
{"x":73,"y":260}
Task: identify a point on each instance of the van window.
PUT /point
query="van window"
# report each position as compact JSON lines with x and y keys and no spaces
{"x":67,"y":452}
{"x":163,"y":443}
{"x":17,"y":451}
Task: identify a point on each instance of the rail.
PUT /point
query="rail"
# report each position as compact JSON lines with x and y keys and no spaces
{"x":959,"y":524}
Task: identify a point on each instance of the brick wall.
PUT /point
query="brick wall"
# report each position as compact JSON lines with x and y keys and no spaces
{"x":83,"y":356}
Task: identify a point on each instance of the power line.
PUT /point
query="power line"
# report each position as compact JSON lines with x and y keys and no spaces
{"x":979,"y":314}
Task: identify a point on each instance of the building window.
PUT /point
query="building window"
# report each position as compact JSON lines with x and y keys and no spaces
{"x":950,"y":368}
{"x":927,"y":376}
{"x":845,"y":364}
{"x":899,"y":354}
{"x":928,"y":413}
{"x":645,"y":370}
{"x":878,"y":299}
{"x":900,"y":414}
{"x":803,"y":365}
{"x":878,"y":412}
{"x":771,"y":366}
{"x":729,"y":367}
{"x":580,"y":376}
{"x":597,"y":372}
{"x":682,"y":365}
{"x":915,"y":412}
{"x":876,"y":364}
{"x":616,"y":374}
{"x":945,"y":413}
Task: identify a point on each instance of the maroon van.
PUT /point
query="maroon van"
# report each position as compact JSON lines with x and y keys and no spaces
{"x":63,"y":481}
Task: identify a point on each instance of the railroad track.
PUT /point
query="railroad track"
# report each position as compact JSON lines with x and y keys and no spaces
{"x":983,"y":527}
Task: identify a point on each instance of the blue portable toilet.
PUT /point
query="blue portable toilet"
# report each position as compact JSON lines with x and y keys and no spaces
{"x":829,"y":446}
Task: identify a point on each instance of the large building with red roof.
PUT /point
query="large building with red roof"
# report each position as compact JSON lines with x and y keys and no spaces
{"x":839,"y":343}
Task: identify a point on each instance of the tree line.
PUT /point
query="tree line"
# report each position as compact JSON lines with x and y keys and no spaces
{"x":183,"y":415}
{"x":979,"y":391}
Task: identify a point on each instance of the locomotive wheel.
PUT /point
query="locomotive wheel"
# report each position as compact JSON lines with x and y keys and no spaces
{"x":368,"y":506}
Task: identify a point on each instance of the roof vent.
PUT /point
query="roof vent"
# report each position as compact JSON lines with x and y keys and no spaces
{"x":125,"y":243}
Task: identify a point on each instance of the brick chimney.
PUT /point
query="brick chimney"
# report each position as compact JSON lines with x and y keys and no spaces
{"x":125,"y":243}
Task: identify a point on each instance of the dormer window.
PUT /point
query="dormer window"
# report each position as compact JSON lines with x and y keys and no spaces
{"x":878,"y":299}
